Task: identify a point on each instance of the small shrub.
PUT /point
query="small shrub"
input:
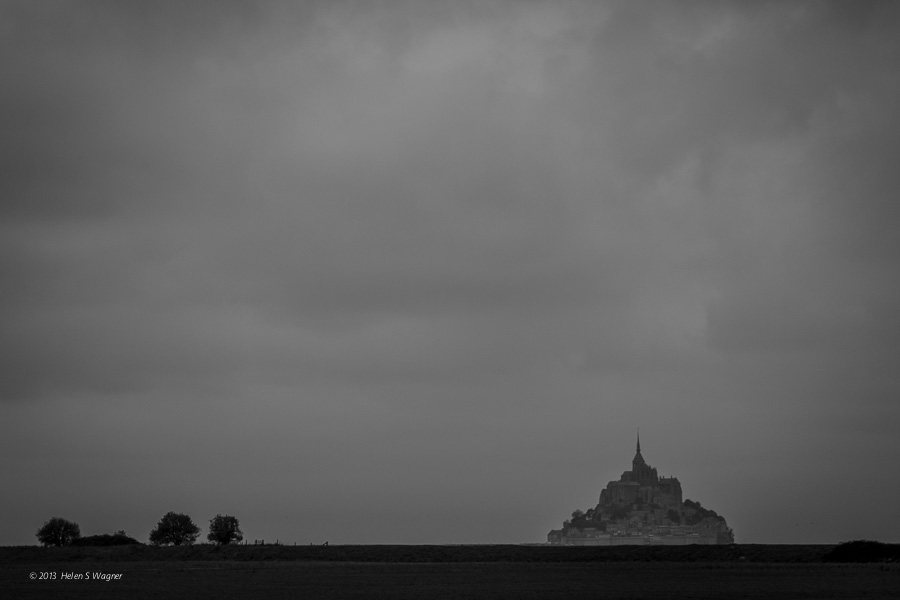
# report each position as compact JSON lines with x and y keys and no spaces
{"x":117,"y":539}
{"x":863,"y":551}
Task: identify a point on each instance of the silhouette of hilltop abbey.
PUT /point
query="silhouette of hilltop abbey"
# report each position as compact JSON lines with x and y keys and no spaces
{"x":643,"y":508}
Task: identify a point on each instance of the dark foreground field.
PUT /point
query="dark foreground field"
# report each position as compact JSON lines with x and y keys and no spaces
{"x":436,"y":572}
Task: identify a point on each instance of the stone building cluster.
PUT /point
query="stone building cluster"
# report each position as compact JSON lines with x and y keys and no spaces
{"x":643,"y":508}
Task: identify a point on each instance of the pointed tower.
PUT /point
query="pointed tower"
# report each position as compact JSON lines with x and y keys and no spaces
{"x":638,"y":459}
{"x":641,"y":472}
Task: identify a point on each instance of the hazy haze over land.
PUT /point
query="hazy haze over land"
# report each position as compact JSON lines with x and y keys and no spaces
{"x":414,"y":272}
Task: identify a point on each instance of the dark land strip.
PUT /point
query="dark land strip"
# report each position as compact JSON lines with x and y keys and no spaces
{"x":744,"y":571}
{"x":859,"y":551}
{"x":436,"y":581}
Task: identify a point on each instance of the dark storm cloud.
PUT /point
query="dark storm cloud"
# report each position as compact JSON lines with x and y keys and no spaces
{"x":390,"y":228}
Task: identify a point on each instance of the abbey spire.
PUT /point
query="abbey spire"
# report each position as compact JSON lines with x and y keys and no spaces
{"x":638,"y":459}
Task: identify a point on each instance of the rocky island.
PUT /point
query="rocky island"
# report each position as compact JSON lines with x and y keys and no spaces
{"x":643,"y":508}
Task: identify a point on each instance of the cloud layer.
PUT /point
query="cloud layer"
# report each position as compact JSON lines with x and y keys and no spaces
{"x":416,"y":272}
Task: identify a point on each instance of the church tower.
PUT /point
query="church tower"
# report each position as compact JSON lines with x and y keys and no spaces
{"x":641,"y":472}
{"x":638,"y":459}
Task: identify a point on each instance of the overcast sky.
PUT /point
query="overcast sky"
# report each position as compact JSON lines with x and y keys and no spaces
{"x":415,"y":272}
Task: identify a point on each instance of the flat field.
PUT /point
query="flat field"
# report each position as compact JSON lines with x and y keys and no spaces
{"x":155,"y":574}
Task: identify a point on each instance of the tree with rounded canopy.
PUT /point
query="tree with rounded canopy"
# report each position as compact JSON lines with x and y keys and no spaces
{"x":58,"y":532}
{"x":224,"y":530}
{"x":175,"y":529}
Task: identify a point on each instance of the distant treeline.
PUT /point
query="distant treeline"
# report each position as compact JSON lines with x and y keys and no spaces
{"x":173,"y":529}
